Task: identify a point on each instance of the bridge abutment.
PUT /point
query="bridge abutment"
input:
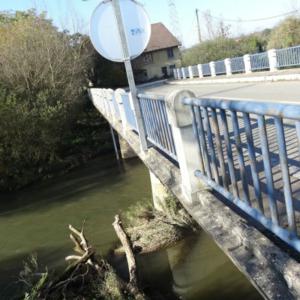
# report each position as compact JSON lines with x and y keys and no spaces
{"x":125,"y":149}
{"x":159,"y":192}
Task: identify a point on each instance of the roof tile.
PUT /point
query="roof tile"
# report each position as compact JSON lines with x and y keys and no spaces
{"x":161,"y":38}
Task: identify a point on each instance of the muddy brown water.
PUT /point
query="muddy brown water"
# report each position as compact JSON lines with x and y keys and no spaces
{"x":35,"y":220}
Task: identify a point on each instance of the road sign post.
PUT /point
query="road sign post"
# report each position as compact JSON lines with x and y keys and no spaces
{"x":120,"y":31}
{"x":130,"y":76}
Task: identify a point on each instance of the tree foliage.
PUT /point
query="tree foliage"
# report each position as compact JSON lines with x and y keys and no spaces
{"x":45,"y":114}
{"x":221,"y":48}
{"x":286,"y":34}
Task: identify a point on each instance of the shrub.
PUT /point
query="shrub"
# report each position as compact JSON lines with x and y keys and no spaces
{"x":286,"y":34}
{"x":45,"y":113}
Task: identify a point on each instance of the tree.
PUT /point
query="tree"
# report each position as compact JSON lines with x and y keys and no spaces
{"x":45,"y":115}
{"x":286,"y":34}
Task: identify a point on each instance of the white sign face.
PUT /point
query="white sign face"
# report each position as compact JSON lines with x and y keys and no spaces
{"x":105,"y":35}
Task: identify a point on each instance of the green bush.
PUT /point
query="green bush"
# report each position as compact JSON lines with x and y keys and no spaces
{"x":286,"y":34}
{"x":47,"y":122}
{"x":221,"y":48}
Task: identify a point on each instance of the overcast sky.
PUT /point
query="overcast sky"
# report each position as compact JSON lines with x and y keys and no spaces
{"x":75,"y":14}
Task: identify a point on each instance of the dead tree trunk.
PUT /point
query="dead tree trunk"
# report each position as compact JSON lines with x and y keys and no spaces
{"x":126,"y":243}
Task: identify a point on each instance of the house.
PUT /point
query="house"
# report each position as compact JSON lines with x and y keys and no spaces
{"x":160,"y":57}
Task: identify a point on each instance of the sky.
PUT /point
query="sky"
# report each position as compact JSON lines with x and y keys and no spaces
{"x":74,"y":15}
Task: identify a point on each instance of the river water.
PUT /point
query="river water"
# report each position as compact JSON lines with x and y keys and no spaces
{"x":35,"y":220}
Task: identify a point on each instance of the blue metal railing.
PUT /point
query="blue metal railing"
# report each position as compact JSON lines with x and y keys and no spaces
{"x":195,"y":70}
{"x":288,"y":57}
{"x":206,"y":70}
{"x":237,"y":65}
{"x":158,"y":129}
{"x":259,"y":61}
{"x":220,"y":67}
{"x":246,"y":156}
{"x":186,"y":72}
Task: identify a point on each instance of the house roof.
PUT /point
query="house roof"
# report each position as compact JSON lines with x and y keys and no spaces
{"x":161,"y":38}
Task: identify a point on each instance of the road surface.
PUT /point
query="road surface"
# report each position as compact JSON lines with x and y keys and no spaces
{"x":282,"y":91}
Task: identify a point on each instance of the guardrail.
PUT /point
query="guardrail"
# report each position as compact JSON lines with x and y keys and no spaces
{"x":245,"y":158}
{"x":259,"y":61}
{"x":220,"y":67}
{"x":237,"y":65}
{"x":273,"y":59}
{"x":158,"y":129}
{"x":206,"y":70}
{"x":289,"y":57}
{"x":247,"y":152}
{"x":195,"y":71}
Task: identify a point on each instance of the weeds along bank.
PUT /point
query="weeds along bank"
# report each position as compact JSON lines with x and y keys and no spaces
{"x":47,"y":123}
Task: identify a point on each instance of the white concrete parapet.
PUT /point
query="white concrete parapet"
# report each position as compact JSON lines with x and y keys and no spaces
{"x":191,"y":75}
{"x":178,"y":74}
{"x":183,"y":73}
{"x":227,"y":62}
{"x":272,"y":55}
{"x":200,"y":72}
{"x":247,"y":62}
{"x":212,"y":66}
{"x":180,"y":118}
{"x":119,"y":94}
{"x":110,"y":95}
{"x":174,"y":74}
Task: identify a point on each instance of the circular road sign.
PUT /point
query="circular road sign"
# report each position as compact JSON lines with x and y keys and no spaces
{"x":104,"y":29}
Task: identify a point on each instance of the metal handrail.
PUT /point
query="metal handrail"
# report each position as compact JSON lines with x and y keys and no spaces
{"x":244,"y":157}
{"x":158,"y":130}
{"x":288,"y":57}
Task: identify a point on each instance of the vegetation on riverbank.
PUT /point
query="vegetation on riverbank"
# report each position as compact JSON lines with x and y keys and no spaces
{"x":47,"y":122}
{"x":91,"y":276}
{"x":222,"y":45}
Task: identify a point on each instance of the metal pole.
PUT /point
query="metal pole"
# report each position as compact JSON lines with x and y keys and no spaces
{"x":198,"y":25}
{"x":130,"y":77}
{"x":114,"y":142}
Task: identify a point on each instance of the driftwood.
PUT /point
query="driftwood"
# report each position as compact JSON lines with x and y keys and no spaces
{"x":133,"y":285}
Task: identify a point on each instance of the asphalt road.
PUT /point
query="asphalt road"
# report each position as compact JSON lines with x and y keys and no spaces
{"x":282,"y":91}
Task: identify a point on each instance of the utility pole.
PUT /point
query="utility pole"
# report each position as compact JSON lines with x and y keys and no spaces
{"x":198,"y":25}
{"x":130,"y":76}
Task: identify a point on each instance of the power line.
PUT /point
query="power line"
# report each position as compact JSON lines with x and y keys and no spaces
{"x":252,"y":20}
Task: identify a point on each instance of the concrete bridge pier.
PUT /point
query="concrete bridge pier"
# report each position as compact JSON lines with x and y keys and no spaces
{"x":159,"y":192}
{"x":125,"y":149}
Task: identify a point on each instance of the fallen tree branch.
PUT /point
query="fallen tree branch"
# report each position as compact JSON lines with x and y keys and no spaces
{"x":117,"y":224}
{"x":133,"y":285}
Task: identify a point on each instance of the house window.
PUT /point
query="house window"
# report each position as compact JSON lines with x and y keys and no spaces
{"x":170,"y":53}
{"x":148,"y":59}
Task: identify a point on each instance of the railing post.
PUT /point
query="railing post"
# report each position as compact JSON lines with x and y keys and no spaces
{"x":174,"y":74}
{"x":180,"y":118}
{"x":110,"y":95}
{"x":200,"y":72}
{"x":247,"y":62}
{"x":119,"y":94}
{"x":227,"y":62}
{"x":272,"y":55}
{"x":183,"y":73}
{"x":191,"y":75}
{"x":212,"y":66}
{"x":107,"y":104}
